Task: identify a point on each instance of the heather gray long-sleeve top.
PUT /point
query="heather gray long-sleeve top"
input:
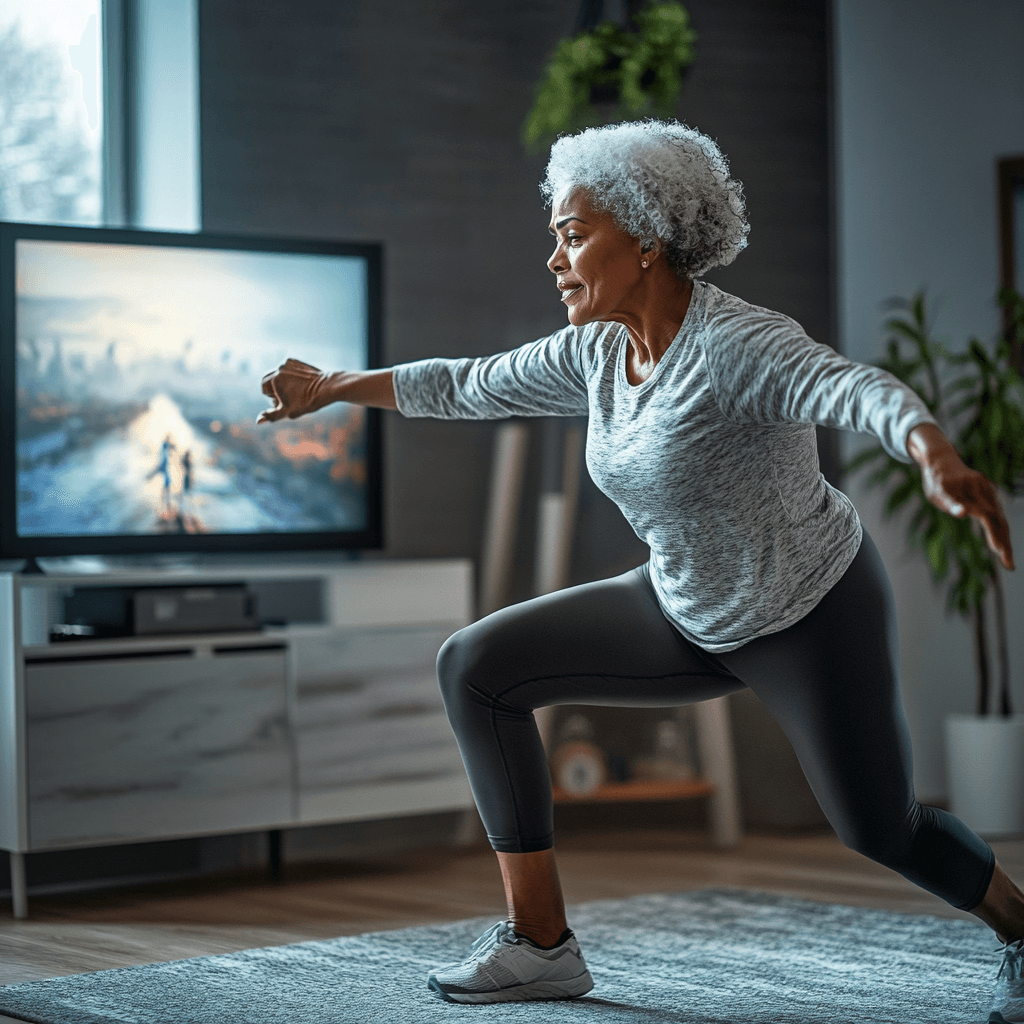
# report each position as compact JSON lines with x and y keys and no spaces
{"x":712,"y":459}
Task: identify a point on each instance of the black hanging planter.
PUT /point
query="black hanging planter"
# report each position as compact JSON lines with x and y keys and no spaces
{"x":609,"y":93}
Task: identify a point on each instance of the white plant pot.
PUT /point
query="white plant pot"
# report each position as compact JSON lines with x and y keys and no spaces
{"x":985,"y":759}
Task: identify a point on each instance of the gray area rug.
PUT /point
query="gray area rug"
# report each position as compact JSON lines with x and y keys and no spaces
{"x":717,"y":956}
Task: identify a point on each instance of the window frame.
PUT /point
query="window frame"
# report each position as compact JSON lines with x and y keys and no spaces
{"x":146,"y":127}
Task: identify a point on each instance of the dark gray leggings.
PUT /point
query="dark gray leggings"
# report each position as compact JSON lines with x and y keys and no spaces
{"x":830,"y":680}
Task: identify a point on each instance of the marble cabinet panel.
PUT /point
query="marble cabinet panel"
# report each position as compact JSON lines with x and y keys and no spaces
{"x":369,"y":712}
{"x":135,"y":747}
{"x":381,"y":693}
{"x":387,"y":750}
{"x":367,"y":649}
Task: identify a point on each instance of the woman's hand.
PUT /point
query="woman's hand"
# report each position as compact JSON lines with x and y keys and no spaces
{"x":296,"y":388}
{"x":953,"y":487}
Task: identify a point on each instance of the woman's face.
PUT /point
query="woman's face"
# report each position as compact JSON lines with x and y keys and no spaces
{"x":597,"y":265}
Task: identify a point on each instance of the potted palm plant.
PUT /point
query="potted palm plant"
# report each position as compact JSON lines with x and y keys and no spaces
{"x":608,"y":73}
{"x":977,"y":396}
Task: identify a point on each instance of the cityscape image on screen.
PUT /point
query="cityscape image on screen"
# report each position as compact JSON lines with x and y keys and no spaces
{"x":137,"y":381}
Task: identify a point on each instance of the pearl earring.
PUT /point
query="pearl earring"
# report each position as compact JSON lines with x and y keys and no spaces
{"x":644,"y":263}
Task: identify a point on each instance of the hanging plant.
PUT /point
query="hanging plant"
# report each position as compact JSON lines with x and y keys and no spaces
{"x":612,"y":74}
{"x":982,"y":411}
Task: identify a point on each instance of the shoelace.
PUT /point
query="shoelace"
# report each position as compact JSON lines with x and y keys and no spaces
{"x":1013,"y":961}
{"x":489,"y":937}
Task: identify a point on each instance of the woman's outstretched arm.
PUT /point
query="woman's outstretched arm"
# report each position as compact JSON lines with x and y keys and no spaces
{"x":298,"y":388}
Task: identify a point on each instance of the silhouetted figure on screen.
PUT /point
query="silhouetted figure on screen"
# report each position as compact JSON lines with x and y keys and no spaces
{"x":163,"y":468}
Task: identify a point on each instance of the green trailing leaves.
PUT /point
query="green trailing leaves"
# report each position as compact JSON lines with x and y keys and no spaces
{"x":637,"y":73}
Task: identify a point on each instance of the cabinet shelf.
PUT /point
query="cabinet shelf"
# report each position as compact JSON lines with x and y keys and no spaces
{"x":653,"y":789}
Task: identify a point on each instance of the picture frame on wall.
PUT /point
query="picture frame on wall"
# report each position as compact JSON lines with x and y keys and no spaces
{"x":1011,"y":229}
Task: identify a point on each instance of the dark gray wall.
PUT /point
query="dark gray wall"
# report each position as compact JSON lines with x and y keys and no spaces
{"x":398,"y":121}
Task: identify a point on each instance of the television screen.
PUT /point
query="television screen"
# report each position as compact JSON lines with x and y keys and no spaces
{"x":136,"y":361}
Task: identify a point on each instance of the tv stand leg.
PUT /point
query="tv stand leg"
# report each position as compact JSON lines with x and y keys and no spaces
{"x":274,"y":850}
{"x":19,"y":890}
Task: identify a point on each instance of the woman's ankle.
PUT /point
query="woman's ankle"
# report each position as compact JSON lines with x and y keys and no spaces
{"x":536,"y":908}
{"x":1002,"y":909}
{"x":545,"y":936}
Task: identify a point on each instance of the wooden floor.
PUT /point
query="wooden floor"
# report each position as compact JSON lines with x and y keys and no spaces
{"x":90,"y":931}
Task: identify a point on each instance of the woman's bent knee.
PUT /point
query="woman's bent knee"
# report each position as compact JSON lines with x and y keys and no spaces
{"x":465,"y":671}
{"x":485,"y":656}
{"x":453,"y":662}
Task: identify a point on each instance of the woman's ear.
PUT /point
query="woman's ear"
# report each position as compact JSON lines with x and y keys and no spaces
{"x":650,"y":249}
{"x":649,"y":252}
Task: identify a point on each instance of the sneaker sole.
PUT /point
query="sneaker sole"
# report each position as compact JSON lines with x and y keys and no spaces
{"x":535,"y":990}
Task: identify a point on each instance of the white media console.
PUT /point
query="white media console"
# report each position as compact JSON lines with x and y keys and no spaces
{"x":332,"y":716}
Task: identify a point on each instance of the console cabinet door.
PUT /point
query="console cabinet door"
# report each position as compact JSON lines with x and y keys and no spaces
{"x":372,"y":736}
{"x":148,"y":747}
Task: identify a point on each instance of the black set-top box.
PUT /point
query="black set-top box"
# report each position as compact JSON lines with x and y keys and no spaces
{"x":153,"y":611}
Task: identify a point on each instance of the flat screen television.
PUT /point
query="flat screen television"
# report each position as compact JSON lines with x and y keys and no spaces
{"x":130,"y":382}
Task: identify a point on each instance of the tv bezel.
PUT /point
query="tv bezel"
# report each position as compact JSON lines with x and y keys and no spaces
{"x":13,"y":546}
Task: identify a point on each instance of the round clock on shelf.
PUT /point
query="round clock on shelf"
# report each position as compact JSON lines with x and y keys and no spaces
{"x":578,"y":767}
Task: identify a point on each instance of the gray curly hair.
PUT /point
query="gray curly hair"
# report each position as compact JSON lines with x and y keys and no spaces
{"x":661,"y":182}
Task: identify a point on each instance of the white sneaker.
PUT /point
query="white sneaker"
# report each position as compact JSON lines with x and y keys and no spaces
{"x":503,"y":967}
{"x":1008,"y":1003}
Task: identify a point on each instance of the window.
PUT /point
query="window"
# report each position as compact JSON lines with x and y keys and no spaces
{"x":56,"y":165}
{"x":51,"y":111}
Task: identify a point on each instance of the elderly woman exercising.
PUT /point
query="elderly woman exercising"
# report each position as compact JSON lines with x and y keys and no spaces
{"x":701,"y":411}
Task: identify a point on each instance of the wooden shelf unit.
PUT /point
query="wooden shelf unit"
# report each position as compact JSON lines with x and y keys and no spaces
{"x":648,"y":789}
{"x":717,"y":781}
